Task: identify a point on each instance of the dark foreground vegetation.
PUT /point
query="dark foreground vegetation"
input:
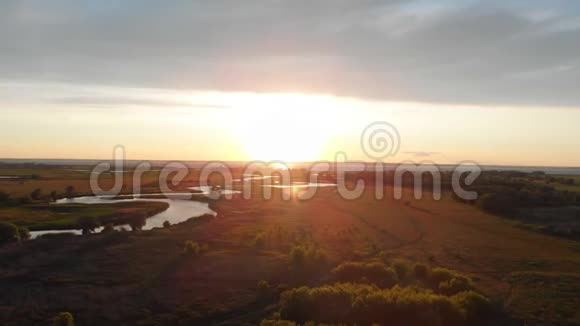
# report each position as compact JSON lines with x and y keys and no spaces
{"x":400,"y":294}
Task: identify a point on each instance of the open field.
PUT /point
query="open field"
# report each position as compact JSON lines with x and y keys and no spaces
{"x":66,"y":216}
{"x":144,"y":278}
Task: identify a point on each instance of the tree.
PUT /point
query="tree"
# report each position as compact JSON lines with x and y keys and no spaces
{"x":192,"y":248}
{"x":35,"y":194}
{"x":137,"y":223}
{"x":108,"y":228}
{"x":8,"y":233}
{"x":24,"y":233}
{"x":264,"y":289}
{"x":88,"y":224}
{"x":63,"y":319}
{"x":24,"y":200}
{"x":4,"y":197}
{"x":53,"y":195}
{"x":69,"y":191}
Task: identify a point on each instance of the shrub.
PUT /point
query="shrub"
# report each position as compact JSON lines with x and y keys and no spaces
{"x":63,"y":319}
{"x":166,"y":224}
{"x":455,"y":285}
{"x":267,"y":322}
{"x":192,"y":248}
{"x":35,"y":194}
{"x":69,"y":191}
{"x":420,"y":271}
{"x":263,"y":288}
{"x":303,"y":255}
{"x":88,"y":224}
{"x":4,"y":197}
{"x":8,"y":233}
{"x":108,"y":228}
{"x":348,"y":303}
{"x":297,"y":255}
{"x":259,"y":240}
{"x":402,"y":268}
{"x":138,"y":222}
{"x":440,"y":274}
{"x":475,"y":306}
{"x":448,"y":282}
{"x":24,"y":200}
{"x":377,"y":273}
{"x":23,"y":233}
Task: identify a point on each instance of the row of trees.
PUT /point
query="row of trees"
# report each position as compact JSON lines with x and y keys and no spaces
{"x":7,"y":199}
{"x":505,"y":193}
{"x":364,"y":304}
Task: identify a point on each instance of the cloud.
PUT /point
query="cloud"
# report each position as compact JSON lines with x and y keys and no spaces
{"x":463,"y":52}
{"x":120,"y":101}
{"x":422,"y":154}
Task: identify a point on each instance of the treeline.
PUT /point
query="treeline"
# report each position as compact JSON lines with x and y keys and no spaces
{"x":505,"y":192}
{"x":513,"y":194}
{"x":37,"y":195}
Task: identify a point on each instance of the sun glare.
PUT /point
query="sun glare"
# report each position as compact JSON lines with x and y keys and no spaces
{"x":286,"y":127}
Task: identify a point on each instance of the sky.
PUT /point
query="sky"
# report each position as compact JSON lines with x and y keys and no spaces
{"x":495,"y":82}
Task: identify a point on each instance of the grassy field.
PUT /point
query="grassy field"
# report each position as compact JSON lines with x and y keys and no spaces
{"x":144,"y":278}
{"x":66,"y":216}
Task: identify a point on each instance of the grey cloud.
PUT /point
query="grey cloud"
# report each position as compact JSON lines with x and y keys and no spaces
{"x":119,"y":101}
{"x":485,"y":53}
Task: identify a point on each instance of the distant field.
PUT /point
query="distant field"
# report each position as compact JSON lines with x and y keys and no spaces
{"x":574,"y":188}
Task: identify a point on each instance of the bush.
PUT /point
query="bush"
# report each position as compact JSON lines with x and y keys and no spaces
{"x":35,"y":194}
{"x":440,"y":274}
{"x":302,"y":256}
{"x":69,"y":191}
{"x":24,"y":233}
{"x":347,"y":303}
{"x":63,"y":319}
{"x":166,"y":224}
{"x":277,"y":323}
{"x":88,"y":224}
{"x":264,"y":289}
{"x":297,"y":255}
{"x":475,"y":306}
{"x":138,"y":222}
{"x":108,"y":228}
{"x":448,"y":282}
{"x":4,"y":197}
{"x":377,"y":273}
{"x":420,"y":271}
{"x":24,"y":200}
{"x":402,"y":268}
{"x":8,"y":233}
{"x":259,"y":241}
{"x":192,"y":249}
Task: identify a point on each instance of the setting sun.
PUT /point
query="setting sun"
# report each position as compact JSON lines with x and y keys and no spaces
{"x":287,"y":127}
